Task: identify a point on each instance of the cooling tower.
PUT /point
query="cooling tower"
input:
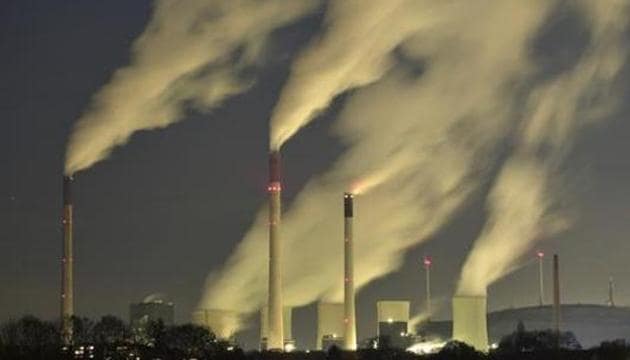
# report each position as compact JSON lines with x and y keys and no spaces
{"x":392,"y":311}
{"x":469,"y":321}
{"x":286,"y":326}
{"x":330,"y":325}
{"x":275,"y":340}
{"x":223,"y":323}
{"x":350,"y":331}
{"x":393,"y":322}
{"x":67,"y":271}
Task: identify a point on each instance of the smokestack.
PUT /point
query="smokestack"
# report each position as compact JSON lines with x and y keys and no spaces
{"x":541,"y":286}
{"x":556,"y":294}
{"x":275,"y":338}
{"x":350,"y":333}
{"x":427,"y":262}
{"x":67,"y":272}
{"x":611,"y":292}
{"x":469,"y":321}
{"x":287,"y":334}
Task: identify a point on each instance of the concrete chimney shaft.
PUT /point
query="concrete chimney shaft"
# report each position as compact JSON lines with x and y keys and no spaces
{"x":275,"y":340}
{"x":350,"y":333}
{"x":67,"y":265}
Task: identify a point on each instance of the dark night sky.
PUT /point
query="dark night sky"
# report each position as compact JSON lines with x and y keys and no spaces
{"x":170,"y":206}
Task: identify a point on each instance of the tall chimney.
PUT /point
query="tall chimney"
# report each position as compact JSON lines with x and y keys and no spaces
{"x":275,"y":336}
{"x":67,"y":275}
{"x":350,"y":333}
{"x":427,"y":262}
{"x":556,"y":295}
{"x":541,"y":286}
{"x":611,"y":292}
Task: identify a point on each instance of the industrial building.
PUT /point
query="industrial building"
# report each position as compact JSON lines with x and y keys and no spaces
{"x":393,"y":322}
{"x":146,"y":312}
{"x":150,"y":310}
{"x":330,"y":325}
{"x":591,"y":324}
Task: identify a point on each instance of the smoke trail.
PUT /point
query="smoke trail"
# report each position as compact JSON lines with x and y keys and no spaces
{"x":355,"y":50}
{"x":192,"y":53}
{"x":427,"y":137}
{"x":522,"y":205}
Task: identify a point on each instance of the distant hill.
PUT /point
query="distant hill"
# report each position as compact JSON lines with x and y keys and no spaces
{"x":591,"y":324}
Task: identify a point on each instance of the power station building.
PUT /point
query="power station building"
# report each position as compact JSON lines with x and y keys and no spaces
{"x":330,"y":325}
{"x":393,"y":322}
{"x":141,"y":315}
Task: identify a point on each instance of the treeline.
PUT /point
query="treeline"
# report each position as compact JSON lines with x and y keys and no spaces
{"x":111,"y":338}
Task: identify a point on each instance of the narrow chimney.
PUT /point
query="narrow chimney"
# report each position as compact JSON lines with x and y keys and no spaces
{"x":541,"y":286}
{"x":427,"y":262}
{"x":275,"y":335}
{"x":611,"y":292}
{"x":67,"y":271}
{"x":350,"y":336}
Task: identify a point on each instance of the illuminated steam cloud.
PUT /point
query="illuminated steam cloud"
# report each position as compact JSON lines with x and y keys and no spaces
{"x":355,"y":50}
{"x":522,"y":204}
{"x":422,"y":141}
{"x":191,"y":53}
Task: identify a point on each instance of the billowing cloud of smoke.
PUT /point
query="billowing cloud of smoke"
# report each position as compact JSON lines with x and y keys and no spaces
{"x":192,"y":53}
{"x":355,"y":50}
{"x":523,"y":203}
{"x":423,"y":135}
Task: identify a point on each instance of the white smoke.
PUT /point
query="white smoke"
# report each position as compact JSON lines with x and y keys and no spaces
{"x":192,"y":53}
{"x":522,"y":205}
{"x":423,"y":142}
{"x":355,"y":50}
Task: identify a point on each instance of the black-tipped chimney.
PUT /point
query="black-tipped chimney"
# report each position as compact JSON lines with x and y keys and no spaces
{"x":274,"y":167}
{"x":67,"y":190}
{"x":348,"y":205}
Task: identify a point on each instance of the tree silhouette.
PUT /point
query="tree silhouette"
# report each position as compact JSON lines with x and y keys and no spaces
{"x":457,"y":350}
{"x":189,"y":341}
{"x":29,"y":338}
{"x":82,"y":330}
{"x":522,"y":340}
{"x":110,"y":330}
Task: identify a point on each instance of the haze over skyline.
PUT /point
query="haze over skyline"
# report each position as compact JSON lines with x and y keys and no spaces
{"x":170,"y":207}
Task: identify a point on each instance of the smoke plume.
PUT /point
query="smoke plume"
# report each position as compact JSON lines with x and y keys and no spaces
{"x":192,"y":53}
{"x":421,"y":130}
{"x":523,"y":204}
{"x":355,"y":50}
